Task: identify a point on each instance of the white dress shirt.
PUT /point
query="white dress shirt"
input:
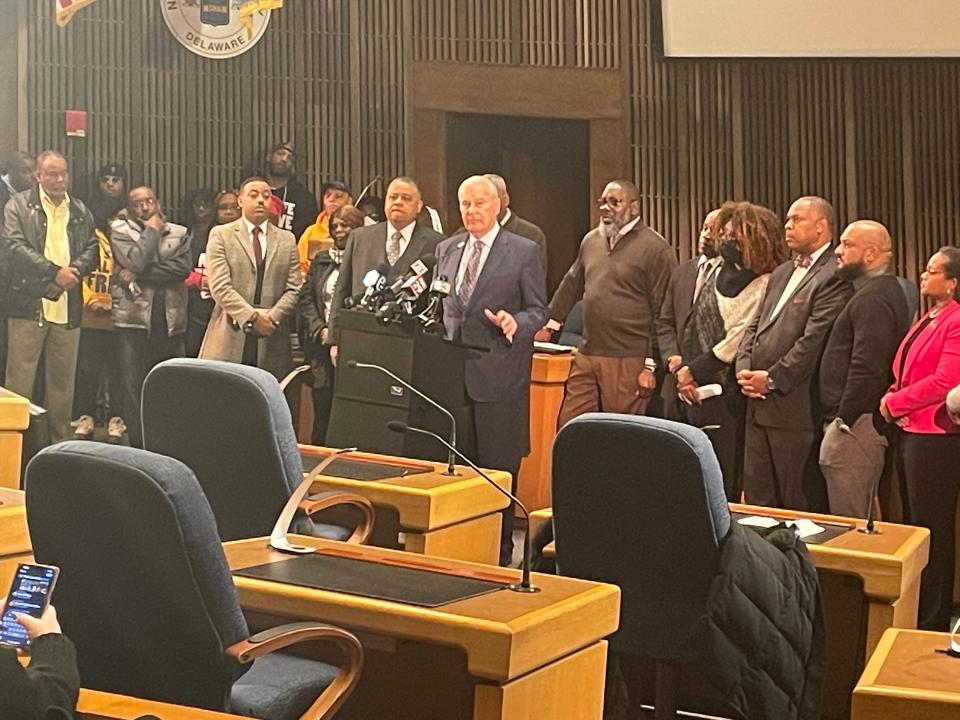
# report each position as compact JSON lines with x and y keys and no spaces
{"x":262,"y":238}
{"x":406,"y":232}
{"x":799,"y":273}
{"x":487,"y":241}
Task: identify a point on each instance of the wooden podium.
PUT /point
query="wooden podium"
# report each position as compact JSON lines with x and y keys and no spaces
{"x":548,"y":378}
{"x":503,"y":655}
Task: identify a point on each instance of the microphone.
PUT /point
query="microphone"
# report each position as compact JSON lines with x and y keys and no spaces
{"x":374,"y":282}
{"x":524,"y":585}
{"x":430,"y":317}
{"x":452,"y":445}
{"x":419,"y":268}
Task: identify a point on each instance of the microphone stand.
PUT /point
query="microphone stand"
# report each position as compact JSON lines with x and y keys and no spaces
{"x":451,"y":470}
{"x":278,"y":536}
{"x":524,"y":586}
{"x":363,"y":193}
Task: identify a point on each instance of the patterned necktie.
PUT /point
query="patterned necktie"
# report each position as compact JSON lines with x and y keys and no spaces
{"x":257,"y":252}
{"x":803,"y":261}
{"x":702,"y":273}
{"x":469,"y":281}
{"x":393,"y":247}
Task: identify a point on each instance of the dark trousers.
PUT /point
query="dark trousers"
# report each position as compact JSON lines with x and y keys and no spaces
{"x":502,"y":433}
{"x":929,"y":473}
{"x":781,"y":468}
{"x":138,"y":351}
{"x":718,"y":417}
{"x":97,"y":360}
{"x":322,"y":404}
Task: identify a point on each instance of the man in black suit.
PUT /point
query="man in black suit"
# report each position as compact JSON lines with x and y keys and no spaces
{"x":856,"y":369}
{"x":499,"y":302}
{"x":777,"y":365}
{"x":682,"y":293}
{"x":396,"y":244}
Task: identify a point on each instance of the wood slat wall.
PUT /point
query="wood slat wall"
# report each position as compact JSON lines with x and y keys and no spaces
{"x":880,"y":139}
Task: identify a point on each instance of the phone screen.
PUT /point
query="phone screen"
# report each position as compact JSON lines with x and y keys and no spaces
{"x":29,"y":595}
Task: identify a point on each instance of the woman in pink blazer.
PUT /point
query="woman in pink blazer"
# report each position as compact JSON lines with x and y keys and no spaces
{"x":925,"y":369}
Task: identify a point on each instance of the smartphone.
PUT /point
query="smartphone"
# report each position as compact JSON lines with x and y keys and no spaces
{"x":29,"y":595}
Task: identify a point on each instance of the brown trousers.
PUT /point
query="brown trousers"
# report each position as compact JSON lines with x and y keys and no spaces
{"x":602,"y":384}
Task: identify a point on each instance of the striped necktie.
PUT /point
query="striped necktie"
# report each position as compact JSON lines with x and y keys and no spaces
{"x":469,"y":281}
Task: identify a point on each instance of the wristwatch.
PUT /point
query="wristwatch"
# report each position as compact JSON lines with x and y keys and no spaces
{"x":771,"y":385}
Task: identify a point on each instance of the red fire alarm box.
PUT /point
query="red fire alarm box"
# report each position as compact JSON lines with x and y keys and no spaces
{"x":76,"y":123}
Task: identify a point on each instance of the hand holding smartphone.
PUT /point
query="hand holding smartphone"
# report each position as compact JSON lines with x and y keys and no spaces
{"x":29,"y":594}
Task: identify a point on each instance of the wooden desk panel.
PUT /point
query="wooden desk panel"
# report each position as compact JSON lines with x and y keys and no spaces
{"x":14,"y":419}
{"x":15,"y":545}
{"x":503,"y":648}
{"x":94,"y":705}
{"x":429,"y":512}
{"x":907,"y":679}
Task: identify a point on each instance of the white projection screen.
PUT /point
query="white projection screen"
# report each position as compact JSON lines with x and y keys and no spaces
{"x":810,"y":28}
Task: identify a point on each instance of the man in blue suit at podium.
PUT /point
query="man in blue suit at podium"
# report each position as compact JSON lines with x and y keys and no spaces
{"x":498,"y":302}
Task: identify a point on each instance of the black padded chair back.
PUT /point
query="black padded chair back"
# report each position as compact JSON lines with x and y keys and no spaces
{"x":231,"y":425}
{"x":144,"y":590}
{"x":639,"y":502}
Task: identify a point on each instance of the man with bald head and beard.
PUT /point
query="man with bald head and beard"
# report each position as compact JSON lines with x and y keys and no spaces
{"x":622,"y":272}
{"x":855,"y":370}
{"x":498,"y":303}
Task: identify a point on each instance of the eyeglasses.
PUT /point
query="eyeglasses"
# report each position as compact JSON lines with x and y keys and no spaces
{"x":111,"y":179}
{"x":610,"y":202}
{"x":227,"y":206}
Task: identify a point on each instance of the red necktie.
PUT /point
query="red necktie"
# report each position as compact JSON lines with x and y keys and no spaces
{"x":257,"y":252}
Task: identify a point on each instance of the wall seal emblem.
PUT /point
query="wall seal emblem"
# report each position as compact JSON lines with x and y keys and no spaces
{"x":214,"y":28}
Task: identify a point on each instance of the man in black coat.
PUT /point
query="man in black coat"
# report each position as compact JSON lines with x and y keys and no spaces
{"x":778,"y":361}
{"x":856,"y":368}
{"x":682,"y":293}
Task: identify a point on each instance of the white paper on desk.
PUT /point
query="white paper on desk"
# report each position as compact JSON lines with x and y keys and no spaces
{"x":553,"y":348}
{"x":759,"y":521}
{"x":805,"y":527}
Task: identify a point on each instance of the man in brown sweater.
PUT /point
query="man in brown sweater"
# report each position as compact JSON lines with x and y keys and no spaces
{"x":621,"y":272}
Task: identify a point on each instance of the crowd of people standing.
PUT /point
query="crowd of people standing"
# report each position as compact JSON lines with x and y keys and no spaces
{"x":793,"y":348}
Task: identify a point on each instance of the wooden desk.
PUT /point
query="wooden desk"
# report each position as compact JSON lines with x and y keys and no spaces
{"x":906,"y":679}
{"x":14,"y":419}
{"x":15,"y":545}
{"x":548,"y":378}
{"x":501,"y":655}
{"x":429,"y":512}
{"x":94,"y":705}
{"x":868,"y":583}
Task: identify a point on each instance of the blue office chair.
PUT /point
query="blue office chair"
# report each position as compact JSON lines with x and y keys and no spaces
{"x":231,"y":425}
{"x":639,"y":502}
{"x":146,"y":595}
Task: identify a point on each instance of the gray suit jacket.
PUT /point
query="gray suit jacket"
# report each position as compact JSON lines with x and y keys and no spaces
{"x":366,"y":250}
{"x":790,"y":345}
{"x":511,"y":280}
{"x":233,"y":283}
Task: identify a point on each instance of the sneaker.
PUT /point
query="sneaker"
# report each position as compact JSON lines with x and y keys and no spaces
{"x":82,"y":427}
{"x":115,"y":429}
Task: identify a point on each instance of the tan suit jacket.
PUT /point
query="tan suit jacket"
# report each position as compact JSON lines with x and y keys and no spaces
{"x":233,"y":283}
